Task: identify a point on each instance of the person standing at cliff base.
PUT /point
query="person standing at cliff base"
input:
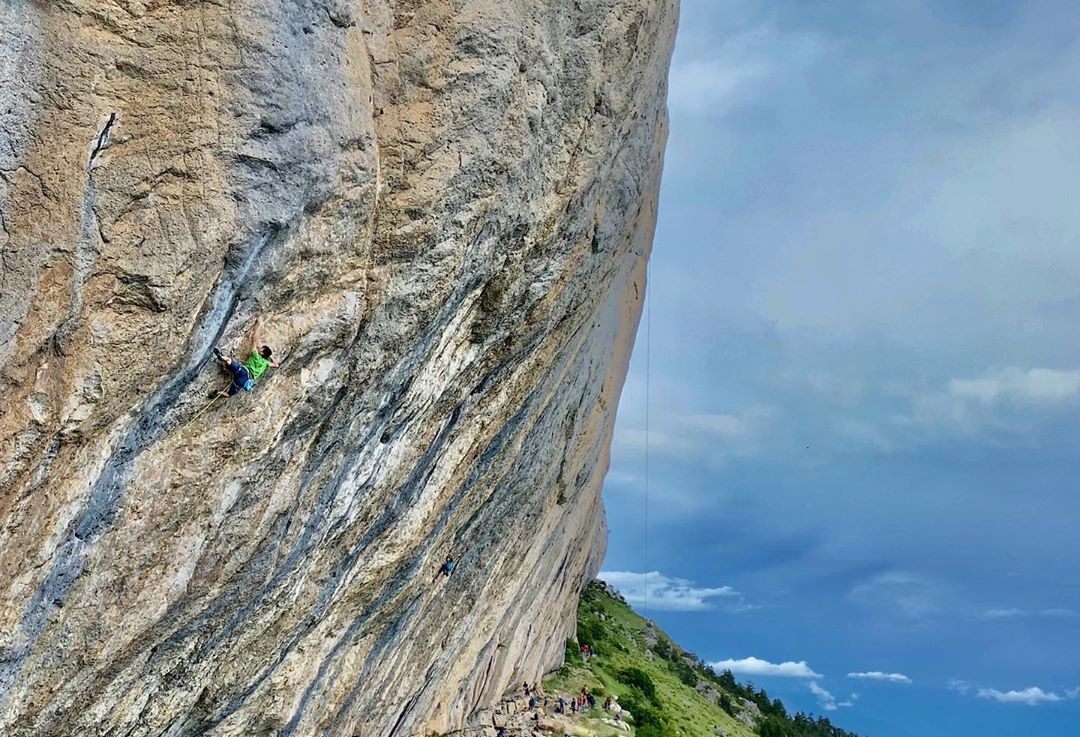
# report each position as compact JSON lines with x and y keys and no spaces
{"x":244,"y":374}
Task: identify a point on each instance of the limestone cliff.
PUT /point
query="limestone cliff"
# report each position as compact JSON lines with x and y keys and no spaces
{"x":443,"y":212}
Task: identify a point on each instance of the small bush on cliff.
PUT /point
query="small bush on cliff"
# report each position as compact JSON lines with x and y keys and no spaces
{"x":591,"y":632}
{"x":573,"y":654}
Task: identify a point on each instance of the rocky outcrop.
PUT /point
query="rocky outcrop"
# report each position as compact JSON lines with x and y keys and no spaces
{"x":443,"y":211}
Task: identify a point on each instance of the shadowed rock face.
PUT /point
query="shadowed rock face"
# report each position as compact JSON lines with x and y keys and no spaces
{"x":443,"y":212}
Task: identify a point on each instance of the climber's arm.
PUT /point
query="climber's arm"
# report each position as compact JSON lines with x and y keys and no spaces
{"x":256,"y":334}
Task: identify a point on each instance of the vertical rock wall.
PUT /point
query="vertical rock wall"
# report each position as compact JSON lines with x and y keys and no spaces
{"x":443,"y":212}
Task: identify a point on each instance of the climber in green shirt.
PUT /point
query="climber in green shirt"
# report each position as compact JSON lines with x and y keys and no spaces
{"x":251,"y":368}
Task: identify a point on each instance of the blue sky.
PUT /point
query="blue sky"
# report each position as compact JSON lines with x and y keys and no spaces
{"x":864,"y":435}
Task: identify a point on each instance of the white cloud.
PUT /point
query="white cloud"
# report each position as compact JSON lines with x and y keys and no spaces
{"x":702,"y":85}
{"x":1033,"y":386}
{"x":858,"y":433}
{"x":876,"y":675}
{"x":1013,"y":613}
{"x":730,"y":426}
{"x":714,"y":438}
{"x":840,"y":388}
{"x":737,"y":68}
{"x":757,"y":667}
{"x":898,"y":592}
{"x":1032,"y":696}
{"x":622,"y":477}
{"x":956,"y":684}
{"x":826,"y":699}
{"x":1000,"y":402}
{"x":1057,"y":612}
{"x":971,"y":406}
{"x":657,"y":591}
{"x":1002,"y":613}
{"x":659,"y":441}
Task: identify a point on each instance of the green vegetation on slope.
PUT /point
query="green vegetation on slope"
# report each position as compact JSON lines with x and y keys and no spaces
{"x":669,"y":691}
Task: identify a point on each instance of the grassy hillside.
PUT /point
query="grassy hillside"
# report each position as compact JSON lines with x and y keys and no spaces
{"x":669,"y":691}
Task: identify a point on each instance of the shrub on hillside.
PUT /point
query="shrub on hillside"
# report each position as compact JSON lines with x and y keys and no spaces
{"x":639,"y":679}
{"x":642,"y":714}
{"x":685,"y":672}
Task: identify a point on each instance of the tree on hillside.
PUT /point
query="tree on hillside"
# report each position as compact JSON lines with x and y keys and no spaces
{"x":773,"y":727}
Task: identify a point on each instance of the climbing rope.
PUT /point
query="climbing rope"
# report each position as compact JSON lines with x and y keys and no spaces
{"x":648,"y":381}
{"x":199,"y":414}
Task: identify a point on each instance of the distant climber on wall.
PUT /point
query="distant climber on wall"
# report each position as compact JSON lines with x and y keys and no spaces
{"x":446,"y":568}
{"x":244,"y":374}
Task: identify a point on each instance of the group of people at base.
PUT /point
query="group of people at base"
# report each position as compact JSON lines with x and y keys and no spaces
{"x":580,"y":703}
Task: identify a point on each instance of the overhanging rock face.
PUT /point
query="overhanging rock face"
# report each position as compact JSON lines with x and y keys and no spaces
{"x":442,"y":210}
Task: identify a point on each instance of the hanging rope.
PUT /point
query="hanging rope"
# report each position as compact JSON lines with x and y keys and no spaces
{"x":648,"y":381}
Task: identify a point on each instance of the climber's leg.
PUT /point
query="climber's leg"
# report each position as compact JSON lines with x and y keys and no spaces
{"x":239,"y":373}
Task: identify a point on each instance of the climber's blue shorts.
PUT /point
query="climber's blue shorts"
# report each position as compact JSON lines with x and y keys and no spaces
{"x":241,"y":378}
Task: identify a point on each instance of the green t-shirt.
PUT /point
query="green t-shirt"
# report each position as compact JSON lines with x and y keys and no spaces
{"x":256,"y":365}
